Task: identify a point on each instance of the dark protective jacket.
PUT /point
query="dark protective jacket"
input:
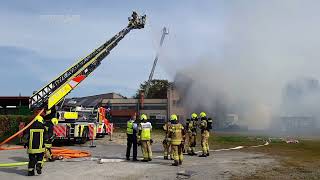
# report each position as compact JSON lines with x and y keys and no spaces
{"x":205,"y":124}
{"x":35,"y":138}
{"x":49,"y":136}
{"x":191,"y":125}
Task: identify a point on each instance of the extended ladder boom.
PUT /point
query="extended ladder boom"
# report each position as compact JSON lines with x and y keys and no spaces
{"x":164,"y":33}
{"x":51,"y":94}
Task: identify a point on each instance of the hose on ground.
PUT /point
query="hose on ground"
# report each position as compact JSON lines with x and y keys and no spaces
{"x":57,"y":153}
{"x":13,"y":164}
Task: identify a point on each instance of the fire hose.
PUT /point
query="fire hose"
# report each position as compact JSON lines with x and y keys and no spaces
{"x":20,"y":131}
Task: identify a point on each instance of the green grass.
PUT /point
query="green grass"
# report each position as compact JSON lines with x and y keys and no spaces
{"x":217,"y":141}
{"x":297,"y":161}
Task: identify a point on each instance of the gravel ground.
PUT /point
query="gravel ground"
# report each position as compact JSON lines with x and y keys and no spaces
{"x":220,"y":165}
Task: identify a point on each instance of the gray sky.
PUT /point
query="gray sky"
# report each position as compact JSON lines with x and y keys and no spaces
{"x":40,"y":39}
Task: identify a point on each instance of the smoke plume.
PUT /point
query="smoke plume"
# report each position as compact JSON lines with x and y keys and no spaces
{"x":266,"y":46}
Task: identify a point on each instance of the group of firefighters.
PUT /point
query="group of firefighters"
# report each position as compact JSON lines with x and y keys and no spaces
{"x":38,"y":140}
{"x":39,"y":137}
{"x":175,"y":137}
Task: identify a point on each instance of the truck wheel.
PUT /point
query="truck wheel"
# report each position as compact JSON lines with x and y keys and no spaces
{"x":84,"y":136}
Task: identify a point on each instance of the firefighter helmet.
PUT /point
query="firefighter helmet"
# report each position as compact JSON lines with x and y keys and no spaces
{"x":173,"y":117}
{"x":143,"y":117}
{"x":194,"y":115}
{"x":203,"y":114}
{"x":39,"y":119}
{"x":54,"y":121}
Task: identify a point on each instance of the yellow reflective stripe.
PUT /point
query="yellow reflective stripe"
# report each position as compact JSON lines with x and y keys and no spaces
{"x":58,"y":95}
{"x":176,"y":142}
{"x":48,"y":145}
{"x":41,"y":139}
{"x":30,"y":139}
{"x":81,"y":130}
{"x":35,"y":151}
{"x":40,"y":149}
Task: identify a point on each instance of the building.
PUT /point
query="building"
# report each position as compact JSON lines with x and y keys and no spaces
{"x":300,"y":124}
{"x":14,"y":105}
{"x":175,"y":103}
{"x":124,"y":109}
{"x":91,"y":101}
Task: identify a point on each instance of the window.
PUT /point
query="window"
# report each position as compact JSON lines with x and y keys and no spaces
{"x":123,"y":107}
{"x":156,"y":107}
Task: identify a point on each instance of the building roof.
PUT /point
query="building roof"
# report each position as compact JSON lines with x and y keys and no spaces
{"x":14,"y":101}
{"x":91,"y":101}
{"x":134,"y":101}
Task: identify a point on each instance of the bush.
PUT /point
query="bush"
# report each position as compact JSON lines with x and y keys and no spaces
{"x":10,"y":124}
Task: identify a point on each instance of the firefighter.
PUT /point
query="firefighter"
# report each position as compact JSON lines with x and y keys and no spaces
{"x":191,"y":127}
{"x":205,"y":126}
{"x":132,"y":128}
{"x":166,"y":142}
{"x":49,"y":137}
{"x":145,"y":129}
{"x":176,"y":134}
{"x":35,"y":138}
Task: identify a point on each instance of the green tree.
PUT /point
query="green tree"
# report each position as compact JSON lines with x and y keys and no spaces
{"x":157,"y":89}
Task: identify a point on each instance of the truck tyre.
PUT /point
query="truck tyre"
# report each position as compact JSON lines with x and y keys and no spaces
{"x":84,"y":137}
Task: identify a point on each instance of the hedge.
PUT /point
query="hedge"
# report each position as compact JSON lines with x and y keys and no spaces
{"x":9,"y":124}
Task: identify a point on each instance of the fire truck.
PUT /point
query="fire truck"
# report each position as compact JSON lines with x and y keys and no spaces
{"x":75,"y":125}
{"x":79,"y":124}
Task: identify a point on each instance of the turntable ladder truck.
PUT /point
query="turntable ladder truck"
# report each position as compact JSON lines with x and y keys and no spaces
{"x":54,"y":93}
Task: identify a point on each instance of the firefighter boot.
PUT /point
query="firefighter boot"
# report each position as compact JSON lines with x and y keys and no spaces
{"x":39,"y":168}
{"x":165,"y":157}
{"x":190,"y":153}
{"x":31,"y":173}
{"x":208,"y":154}
{"x":203,"y":155}
{"x":180,"y":162}
{"x":176,"y":163}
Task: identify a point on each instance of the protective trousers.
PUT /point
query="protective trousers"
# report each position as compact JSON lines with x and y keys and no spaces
{"x":35,"y":160}
{"x":131,"y":140}
{"x":167,"y":149}
{"x":146,"y":149}
{"x":177,"y":153}
{"x":191,"y":143}
{"x":48,"y":154}
{"x":204,"y":141}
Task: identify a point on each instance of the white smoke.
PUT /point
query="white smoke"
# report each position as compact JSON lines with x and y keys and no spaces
{"x":266,"y":44}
